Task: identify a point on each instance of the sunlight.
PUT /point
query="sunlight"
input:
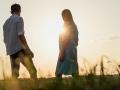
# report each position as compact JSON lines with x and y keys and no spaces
{"x":43,"y":25}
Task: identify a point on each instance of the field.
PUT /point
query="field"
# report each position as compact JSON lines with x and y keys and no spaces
{"x":106,"y":80}
{"x":89,"y":82}
{"x":97,"y":77}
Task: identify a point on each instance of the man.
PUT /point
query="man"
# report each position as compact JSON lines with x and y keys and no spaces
{"x":16,"y":45}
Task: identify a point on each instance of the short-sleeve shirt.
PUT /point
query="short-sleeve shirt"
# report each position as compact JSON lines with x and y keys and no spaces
{"x":12,"y":29}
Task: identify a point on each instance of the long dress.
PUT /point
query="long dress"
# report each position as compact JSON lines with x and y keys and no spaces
{"x":69,"y":65}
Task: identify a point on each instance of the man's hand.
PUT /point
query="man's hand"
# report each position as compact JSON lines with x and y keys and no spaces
{"x":30,"y":53}
{"x":25,"y":45}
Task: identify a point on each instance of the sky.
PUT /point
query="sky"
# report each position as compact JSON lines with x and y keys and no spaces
{"x":98,"y":22}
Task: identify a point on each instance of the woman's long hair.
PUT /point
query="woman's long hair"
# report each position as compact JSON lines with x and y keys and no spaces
{"x":70,"y":28}
{"x":67,"y":16}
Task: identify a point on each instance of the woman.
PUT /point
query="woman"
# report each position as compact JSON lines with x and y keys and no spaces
{"x":68,"y":42}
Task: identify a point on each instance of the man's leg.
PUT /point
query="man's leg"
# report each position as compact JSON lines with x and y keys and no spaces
{"x":15,"y":65}
{"x":26,"y":60}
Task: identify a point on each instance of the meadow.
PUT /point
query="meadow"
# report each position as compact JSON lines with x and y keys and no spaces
{"x":89,"y":82}
{"x":105,"y":80}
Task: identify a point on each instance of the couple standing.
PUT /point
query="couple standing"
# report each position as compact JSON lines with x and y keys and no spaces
{"x":19,"y":51}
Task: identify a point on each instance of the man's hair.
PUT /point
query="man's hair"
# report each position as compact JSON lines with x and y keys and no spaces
{"x":15,"y":8}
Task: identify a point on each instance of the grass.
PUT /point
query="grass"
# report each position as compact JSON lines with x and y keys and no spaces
{"x":89,"y":82}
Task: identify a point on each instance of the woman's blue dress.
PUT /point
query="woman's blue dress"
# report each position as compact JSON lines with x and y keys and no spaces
{"x":69,"y":65}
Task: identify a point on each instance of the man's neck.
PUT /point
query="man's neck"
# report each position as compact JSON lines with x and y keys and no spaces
{"x":16,"y":14}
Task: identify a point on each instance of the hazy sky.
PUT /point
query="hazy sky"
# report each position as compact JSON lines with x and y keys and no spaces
{"x":98,"y":22}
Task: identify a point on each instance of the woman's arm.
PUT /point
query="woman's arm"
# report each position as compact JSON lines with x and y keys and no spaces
{"x":61,"y":48}
{"x":63,"y":45}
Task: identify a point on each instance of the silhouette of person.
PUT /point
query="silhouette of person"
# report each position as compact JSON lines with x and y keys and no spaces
{"x":16,"y":44}
{"x":68,"y":41}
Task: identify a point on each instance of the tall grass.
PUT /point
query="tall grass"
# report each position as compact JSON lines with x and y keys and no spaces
{"x":3,"y":71}
{"x":88,"y":68}
{"x":90,"y":81}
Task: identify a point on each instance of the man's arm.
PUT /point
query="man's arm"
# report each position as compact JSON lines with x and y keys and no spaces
{"x":23,"y":41}
{"x":21,"y":37}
